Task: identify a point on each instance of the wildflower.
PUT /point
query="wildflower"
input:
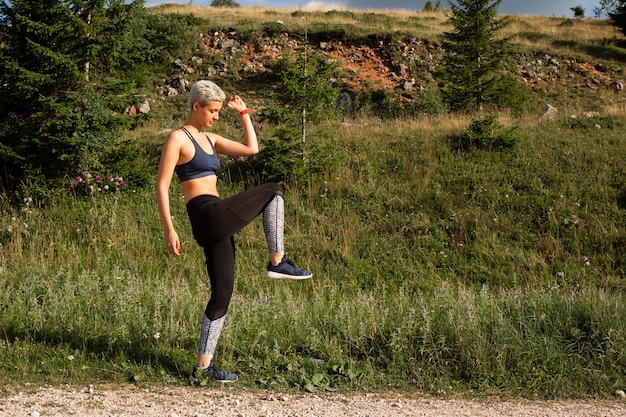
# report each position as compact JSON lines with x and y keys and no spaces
{"x":585,"y":261}
{"x":157,"y":335}
{"x":111,"y":178}
{"x":560,"y":274}
{"x":87,"y":174}
{"x":79,"y":179}
{"x":106,"y":187}
{"x":122,"y":184}
{"x":98,"y":178}
{"x":10,"y":229}
{"x":70,"y":357}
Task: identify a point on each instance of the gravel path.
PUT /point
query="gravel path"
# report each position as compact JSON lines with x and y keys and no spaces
{"x":225,"y":401}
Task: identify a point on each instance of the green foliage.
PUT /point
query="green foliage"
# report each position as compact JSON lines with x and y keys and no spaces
{"x":61,"y":65}
{"x":430,"y":101}
{"x":475,"y":56}
{"x":114,"y":34}
{"x":283,"y":156}
{"x":579,"y":11}
{"x":618,"y":16}
{"x":304,"y":91}
{"x":304,"y":96}
{"x":487,"y":134}
{"x":94,"y":132}
{"x":224,"y":3}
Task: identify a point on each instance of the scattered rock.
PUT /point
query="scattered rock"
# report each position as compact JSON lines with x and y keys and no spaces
{"x":133,"y":110}
{"x":409,"y":85}
{"x":144,"y":108}
{"x":548,"y":112}
{"x":180,"y":66}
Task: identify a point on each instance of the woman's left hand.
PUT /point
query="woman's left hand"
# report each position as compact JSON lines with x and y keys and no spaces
{"x":236,"y":103}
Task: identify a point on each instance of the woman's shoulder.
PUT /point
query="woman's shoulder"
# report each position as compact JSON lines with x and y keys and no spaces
{"x":176,"y":136}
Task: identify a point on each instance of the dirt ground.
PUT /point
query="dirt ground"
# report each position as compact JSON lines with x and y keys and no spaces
{"x":216,"y":400}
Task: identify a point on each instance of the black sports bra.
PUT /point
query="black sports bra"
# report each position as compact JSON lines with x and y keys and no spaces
{"x":201,"y":165}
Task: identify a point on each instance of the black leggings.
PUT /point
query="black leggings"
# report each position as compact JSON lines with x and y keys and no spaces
{"x":214,"y":222}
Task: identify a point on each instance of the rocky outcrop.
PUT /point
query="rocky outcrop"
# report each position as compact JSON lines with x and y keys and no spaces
{"x":404,"y":65}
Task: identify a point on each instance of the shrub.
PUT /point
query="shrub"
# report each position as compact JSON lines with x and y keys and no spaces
{"x":225,"y":3}
{"x":486,"y":134}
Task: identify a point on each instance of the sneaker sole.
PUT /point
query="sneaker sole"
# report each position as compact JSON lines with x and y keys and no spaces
{"x":225,"y":381}
{"x":277,"y":275}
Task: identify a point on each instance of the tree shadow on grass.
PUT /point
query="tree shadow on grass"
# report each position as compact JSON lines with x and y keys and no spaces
{"x":140,"y":354}
{"x":614,"y":49}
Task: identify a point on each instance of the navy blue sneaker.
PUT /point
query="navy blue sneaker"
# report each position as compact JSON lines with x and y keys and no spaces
{"x":286,"y":269}
{"x":201,"y":375}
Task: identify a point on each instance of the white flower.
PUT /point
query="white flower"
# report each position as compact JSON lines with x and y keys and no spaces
{"x":157,"y":335}
{"x":70,"y":357}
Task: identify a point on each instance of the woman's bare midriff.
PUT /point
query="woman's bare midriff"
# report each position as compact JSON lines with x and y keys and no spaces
{"x":199,"y":186}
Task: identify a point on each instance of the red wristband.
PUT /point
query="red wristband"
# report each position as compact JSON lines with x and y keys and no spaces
{"x":246,"y":111}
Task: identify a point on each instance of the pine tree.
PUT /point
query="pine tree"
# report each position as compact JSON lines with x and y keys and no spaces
{"x":618,"y":16}
{"x":606,"y":7}
{"x":475,"y":56}
{"x":49,"y":49}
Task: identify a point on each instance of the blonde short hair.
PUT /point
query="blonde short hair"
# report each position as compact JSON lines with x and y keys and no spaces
{"x":203,"y":92}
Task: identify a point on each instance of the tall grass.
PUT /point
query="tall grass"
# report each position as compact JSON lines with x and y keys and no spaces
{"x":438,"y":270}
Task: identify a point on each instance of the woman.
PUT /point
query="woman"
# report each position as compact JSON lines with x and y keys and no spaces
{"x":192,"y":154}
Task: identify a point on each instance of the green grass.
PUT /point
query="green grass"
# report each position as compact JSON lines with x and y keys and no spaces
{"x":434,"y":270}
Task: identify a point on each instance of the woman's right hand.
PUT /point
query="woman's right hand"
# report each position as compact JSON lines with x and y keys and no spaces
{"x":173,"y":243}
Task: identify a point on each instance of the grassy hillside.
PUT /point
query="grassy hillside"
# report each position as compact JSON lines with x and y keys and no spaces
{"x":437,"y":269}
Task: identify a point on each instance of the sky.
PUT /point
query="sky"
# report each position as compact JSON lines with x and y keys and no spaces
{"x":535,"y":7}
